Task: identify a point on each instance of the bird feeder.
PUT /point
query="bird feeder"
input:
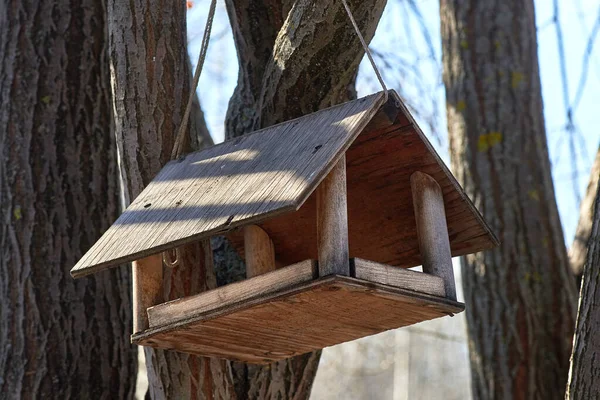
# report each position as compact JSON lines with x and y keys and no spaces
{"x":329,"y":211}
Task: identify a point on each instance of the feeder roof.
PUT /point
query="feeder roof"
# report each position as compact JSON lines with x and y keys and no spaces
{"x":263,"y":177}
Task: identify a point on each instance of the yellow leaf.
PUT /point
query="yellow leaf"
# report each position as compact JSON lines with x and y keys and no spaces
{"x":45,"y":99}
{"x":461,"y":105}
{"x":464,"y":44}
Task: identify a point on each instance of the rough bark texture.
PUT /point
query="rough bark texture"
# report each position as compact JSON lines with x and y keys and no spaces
{"x":520,"y":297}
{"x":584,"y":376}
{"x":295,"y":58}
{"x":579,"y":247}
{"x":151,"y":84}
{"x":60,"y":338}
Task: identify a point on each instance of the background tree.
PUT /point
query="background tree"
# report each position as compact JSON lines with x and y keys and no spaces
{"x":60,"y":338}
{"x":521,"y":297}
{"x":293,"y":60}
{"x":584,"y":375}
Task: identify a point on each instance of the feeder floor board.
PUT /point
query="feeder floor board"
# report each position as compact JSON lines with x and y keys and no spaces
{"x":276,"y":324}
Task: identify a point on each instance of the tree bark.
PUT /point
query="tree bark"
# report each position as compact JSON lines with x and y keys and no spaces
{"x":60,"y":338}
{"x":520,"y":297}
{"x":294,"y":58}
{"x":584,"y":375}
{"x":150,"y":86}
{"x":579,"y":247}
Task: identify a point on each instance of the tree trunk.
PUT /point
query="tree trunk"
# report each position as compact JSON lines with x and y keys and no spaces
{"x":578,"y":250}
{"x":584,"y":375}
{"x":294,"y":65}
{"x":520,"y":297}
{"x":60,"y":338}
{"x":150,"y":86}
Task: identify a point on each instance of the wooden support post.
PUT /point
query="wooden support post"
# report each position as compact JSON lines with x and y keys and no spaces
{"x":258,"y":251}
{"x":432,"y":231}
{"x":332,"y":222}
{"x":147,"y":289}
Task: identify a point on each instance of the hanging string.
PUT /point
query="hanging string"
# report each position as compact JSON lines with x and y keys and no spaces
{"x":366,"y":48}
{"x":179,"y":139}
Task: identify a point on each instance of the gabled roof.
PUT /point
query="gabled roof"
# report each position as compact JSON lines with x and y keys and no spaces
{"x":256,"y":176}
{"x":264,"y":176}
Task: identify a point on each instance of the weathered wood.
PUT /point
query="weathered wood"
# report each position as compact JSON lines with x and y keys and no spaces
{"x":241,"y":181}
{"x":147,"y":288}
{"x":232,"y":294}
{"x":381,"y":222}
{"x":258,"y":251}
{"x":432,"y":231}
{"x":265,"y":176}
{"x":398,"y":277}
{"x":318,"y":314}
{"x":244,"y":320}
{"x":332,"y":222}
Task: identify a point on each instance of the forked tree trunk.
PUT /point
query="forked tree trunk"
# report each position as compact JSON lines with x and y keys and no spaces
{"x":520,"y":297}
{"x":294,"y":58}
{"x":59,"y":338}
{"x":150,"y":86}
{"x":584,"y":375}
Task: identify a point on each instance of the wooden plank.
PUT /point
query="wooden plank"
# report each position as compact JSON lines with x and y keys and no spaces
{"x":241,"y":181}
{"x":147,"y":288}
{"x":381,"y":221}
{"x":310,"y":316}
{"x":258,"y":251}
{"x":234,"y":293}
{"x":332,"y":222}
{"x":432,"y":231}
{"x":398,"y":277}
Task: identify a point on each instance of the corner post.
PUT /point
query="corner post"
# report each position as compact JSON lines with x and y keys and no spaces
{"x":332,"y":222}
{"x":147,"y":289}
{"x":432,"y":231}
{"x":258,"y":251}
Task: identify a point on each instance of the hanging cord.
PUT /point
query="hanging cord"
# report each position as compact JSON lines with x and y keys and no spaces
{"x":366,"y":48}
{"x":178,"y":144}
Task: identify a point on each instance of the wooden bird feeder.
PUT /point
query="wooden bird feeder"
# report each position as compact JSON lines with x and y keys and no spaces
{"x":328,"y":211}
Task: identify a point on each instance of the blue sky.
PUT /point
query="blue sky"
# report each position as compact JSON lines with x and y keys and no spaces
{"x":400,"y":41}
